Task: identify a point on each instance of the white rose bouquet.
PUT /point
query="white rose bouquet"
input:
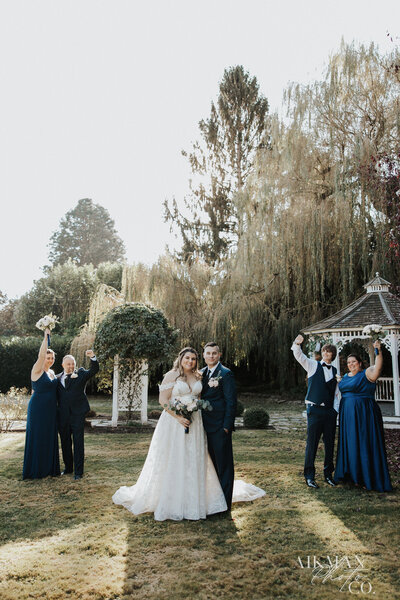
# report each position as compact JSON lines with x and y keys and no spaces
{"x":188,"y":405}
{"x":376,"y":332}
{"x":47,"y":322}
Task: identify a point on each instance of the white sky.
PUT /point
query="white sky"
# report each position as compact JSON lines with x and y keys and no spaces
{"x":98,"y":97}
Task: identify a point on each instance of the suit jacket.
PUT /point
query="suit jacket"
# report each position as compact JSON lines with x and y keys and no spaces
{"x":72,"y":400}
{"x":222,"y":399}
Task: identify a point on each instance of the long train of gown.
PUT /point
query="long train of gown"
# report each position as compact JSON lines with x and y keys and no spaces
{"x":361,"y":452}
{"x":178,"y":480}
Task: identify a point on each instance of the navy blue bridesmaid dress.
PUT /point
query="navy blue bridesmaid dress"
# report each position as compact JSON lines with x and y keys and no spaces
{"x":41,"y":457}
{"x":361,"y":452}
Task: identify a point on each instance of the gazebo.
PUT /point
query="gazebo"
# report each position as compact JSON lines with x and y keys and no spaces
{"x":376,"y":306}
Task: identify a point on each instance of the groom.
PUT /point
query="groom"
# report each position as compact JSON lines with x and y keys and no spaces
{"x":72,"y":407}
{"x":322,"y":396}
{"x":220,"y":390}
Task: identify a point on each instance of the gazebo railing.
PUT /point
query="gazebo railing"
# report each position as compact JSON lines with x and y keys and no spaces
{"x":384,"y":389}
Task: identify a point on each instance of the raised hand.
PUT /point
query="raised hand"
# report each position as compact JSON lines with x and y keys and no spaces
{"x":90,"y":353}
{"x":299,"y":339}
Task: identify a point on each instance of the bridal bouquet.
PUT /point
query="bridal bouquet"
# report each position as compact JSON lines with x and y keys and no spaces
{"x":47,"y":322}
{"x":376,"y":332}
{"x":187,"y":406}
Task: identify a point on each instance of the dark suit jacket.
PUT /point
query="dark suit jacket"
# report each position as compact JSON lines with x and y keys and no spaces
{"x":222,"y":399}
{"x":73,"y":400}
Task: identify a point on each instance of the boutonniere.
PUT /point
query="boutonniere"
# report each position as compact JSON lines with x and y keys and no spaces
{"x":214,"y":381}
{"x":74,"y":375}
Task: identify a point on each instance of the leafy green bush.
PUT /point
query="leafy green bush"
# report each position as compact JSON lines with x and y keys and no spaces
{"x":18,"y":355}
{"x":136,"y":332}
{"x":239,"y":408}
{"x":256,"y":417}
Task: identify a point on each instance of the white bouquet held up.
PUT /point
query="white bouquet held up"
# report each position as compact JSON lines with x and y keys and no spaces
{"x":47,"y":322}
{"x":376,"y":332}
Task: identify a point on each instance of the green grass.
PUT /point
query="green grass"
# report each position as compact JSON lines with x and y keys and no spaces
{"x":65,"y":539}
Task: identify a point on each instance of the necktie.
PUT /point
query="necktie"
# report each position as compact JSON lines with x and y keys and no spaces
{"x":67,"y":380}
{"x":327,"y":366}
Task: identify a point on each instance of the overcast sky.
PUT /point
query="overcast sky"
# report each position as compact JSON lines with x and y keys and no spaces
{"x":98,"y":97}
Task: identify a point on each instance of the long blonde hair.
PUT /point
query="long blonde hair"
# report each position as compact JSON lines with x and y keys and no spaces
{"x":178,"y":363}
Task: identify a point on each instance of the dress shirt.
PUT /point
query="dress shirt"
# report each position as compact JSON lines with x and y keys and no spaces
{"x":310,"y":365}
{"x":63,"y":376}
{"x":210,"y":372}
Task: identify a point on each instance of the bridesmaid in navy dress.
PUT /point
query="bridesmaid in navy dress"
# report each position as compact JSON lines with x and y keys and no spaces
{"x":41,"y":442}
{"x":361,"y":453}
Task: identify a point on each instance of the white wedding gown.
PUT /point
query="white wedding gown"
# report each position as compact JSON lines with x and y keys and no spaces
{"x":178,"y":480}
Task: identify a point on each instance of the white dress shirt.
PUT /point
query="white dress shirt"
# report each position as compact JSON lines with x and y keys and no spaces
{"x":211,"y":371}
{"x":310,"y":365}
{"x":64,"y":374}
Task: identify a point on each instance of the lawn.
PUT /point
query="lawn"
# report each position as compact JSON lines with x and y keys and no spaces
{"x":65,"y":539}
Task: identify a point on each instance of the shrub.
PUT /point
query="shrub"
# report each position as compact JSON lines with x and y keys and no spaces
{"x":155,"y":414}
{"x":13,"y":407}
{"x":256,"y":417}
{"x":239,"y":408}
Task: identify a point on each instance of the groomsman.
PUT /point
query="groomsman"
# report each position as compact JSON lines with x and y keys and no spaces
{"x":72,"y":407}
{"x":321,"y":415}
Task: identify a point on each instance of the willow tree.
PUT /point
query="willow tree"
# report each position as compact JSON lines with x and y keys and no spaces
{"x":312,"y":230}
{"x":220,"y":162}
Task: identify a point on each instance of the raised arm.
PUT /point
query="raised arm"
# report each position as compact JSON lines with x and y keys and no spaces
{"x":38,"y":367}
{"x":165,"y":396}
{"x":94,"y":365}
{"x":373,"y":373}
{"x":309,"y":364}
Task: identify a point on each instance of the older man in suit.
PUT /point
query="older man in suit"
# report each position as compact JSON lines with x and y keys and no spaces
{"x":72,"y":407}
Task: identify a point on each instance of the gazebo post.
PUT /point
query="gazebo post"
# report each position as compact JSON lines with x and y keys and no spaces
{"x":336,"y":362}
{"x":394,"y":347}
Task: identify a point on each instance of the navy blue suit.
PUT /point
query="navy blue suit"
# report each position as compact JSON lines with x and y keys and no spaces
{"x":72,"y":407}
{"x":223,"y":401}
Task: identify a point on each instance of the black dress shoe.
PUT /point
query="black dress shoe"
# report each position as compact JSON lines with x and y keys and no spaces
{"x":312,"y":483}
{"x":77,"y":477}
{"x":66,"y":472}
{"x":330,"y":481}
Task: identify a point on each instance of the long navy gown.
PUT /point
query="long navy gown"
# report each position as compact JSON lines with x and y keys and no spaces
{"x":41,"y":457}
{"x":361,"y":453}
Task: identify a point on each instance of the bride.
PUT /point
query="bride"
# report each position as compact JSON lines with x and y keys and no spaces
{"x":178,"y":480}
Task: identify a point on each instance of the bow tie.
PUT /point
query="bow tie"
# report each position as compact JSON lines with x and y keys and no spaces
{"x":327,"y":366}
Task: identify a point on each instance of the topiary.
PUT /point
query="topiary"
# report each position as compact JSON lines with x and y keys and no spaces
{"x":239,"y":408}
{"x":256,"y":417}
{"x":136,"y":332}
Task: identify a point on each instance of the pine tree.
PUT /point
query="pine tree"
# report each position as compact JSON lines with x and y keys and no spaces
{"x":86,"y":235}
{"x":221,"y":162}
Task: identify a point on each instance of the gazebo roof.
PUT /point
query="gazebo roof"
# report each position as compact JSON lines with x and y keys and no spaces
{"x":377,"y":305}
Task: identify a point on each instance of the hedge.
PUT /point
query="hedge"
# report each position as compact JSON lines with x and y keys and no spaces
{"x":18,"y":355}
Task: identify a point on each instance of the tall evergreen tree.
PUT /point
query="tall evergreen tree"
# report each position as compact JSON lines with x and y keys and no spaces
{"x":86,"y":235}
{"x":221,"y":162}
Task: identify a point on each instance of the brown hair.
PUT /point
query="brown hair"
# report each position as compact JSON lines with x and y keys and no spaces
{"x":178,"y":363}
{"x":212,"y":345}
{"x":358,"y":359}
{"x":50,"y":351}
{"x":330,"y":348}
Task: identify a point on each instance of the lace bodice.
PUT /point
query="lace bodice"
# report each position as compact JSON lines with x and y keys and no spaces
{"x":181,"y":388}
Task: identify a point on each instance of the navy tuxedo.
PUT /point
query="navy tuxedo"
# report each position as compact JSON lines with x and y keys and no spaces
{"x":72,"y":407}
{"x":222,"y":416}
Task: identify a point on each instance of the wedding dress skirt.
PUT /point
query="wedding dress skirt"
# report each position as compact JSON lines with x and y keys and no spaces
{"x":178,"y":480}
